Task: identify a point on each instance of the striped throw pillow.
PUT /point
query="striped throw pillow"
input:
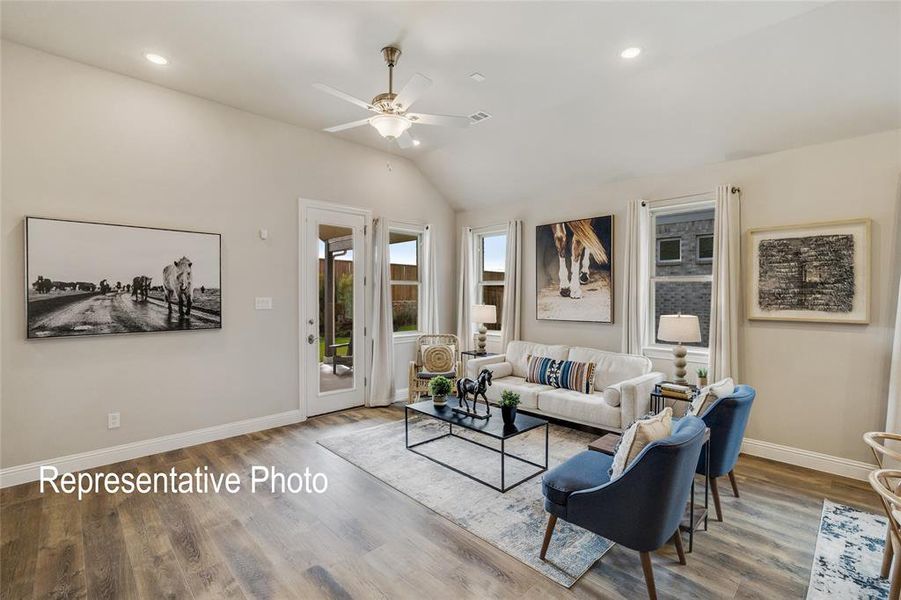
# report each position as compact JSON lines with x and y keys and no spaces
{"x":576,"y":376}
{"x":566,"y":374}
{"x":542,"y":370}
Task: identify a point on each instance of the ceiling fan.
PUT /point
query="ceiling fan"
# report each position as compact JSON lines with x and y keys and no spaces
{"x":392,"y":120}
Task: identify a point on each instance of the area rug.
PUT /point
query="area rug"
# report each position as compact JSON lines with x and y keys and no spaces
{"x":514,"y":521}
{"x":848,"y":555}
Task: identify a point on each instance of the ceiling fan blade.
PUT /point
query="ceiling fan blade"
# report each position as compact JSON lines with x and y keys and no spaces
{"x":346,"y":97}
{"x":412,"y":91}
{"x":445,"y":120}
{"x":344,"y":126}
{"x":405,"y":140}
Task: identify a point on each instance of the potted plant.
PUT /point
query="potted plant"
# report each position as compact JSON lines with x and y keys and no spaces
{"x":439,"y":388}
{"x":702,"y":376}
{"x":508,"y":403}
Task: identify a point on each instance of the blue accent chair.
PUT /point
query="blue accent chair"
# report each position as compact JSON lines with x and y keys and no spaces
{"x":727,"y":419}
{"x":642,"y":508}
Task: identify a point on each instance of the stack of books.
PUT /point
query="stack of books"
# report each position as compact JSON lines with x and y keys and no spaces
{"x":675,"y":390}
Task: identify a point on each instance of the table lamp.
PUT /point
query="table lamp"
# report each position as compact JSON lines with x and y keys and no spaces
{"x":680,"y":329}
{"x":483,"y":314}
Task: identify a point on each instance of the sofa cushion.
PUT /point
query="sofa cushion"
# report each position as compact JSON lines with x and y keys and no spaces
{"x":581,"y":472}
{"x":613,"y":394}
{"x":498,"y":370}
{"x":590,"y":409}
{"x":612,"y":367}
{"x":640,"y":434}
{"x":528,"y":392}
{"x":518,"y":353}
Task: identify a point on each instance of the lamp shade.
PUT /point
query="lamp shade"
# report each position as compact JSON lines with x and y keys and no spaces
{"x":679,"y":328}
{"x":484,"y":313}
{"x":390,"y":126}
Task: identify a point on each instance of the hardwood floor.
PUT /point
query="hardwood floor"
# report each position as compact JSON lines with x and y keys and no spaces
{"x":363,"y":539}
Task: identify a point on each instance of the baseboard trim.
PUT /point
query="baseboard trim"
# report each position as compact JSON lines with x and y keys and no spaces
{"x":806,"y":458}
{"x":106,"y":456}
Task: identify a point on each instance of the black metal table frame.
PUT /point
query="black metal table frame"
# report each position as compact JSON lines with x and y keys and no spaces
{"x":504,"y":454}
{"x":691,"y":500}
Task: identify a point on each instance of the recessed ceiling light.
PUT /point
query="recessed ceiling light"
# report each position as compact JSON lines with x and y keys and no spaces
{"x":630,"y":52}
{"x":477,"y":77}
{"x":416,"y":142}
{"x":156,"y":58}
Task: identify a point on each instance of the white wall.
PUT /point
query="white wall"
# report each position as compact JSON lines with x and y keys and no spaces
{"x":820,"y":386}
{"x":83,"y":143}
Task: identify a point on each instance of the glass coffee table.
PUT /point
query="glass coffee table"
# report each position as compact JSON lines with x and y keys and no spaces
{"x":493,"y":428}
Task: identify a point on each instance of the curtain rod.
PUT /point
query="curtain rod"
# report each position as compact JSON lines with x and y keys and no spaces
{"x":734,"y":190}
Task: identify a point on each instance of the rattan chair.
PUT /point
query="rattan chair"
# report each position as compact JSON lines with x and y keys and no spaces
{"x":876,"y":441}
{"x":421,"y":374}
{"x":885,"y":482}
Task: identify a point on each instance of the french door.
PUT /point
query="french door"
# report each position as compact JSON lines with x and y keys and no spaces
{"x":333,"y":299}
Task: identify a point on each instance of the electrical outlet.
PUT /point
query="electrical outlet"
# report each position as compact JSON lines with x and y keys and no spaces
{"x":112,"y":420}
{"x":263,"y":303}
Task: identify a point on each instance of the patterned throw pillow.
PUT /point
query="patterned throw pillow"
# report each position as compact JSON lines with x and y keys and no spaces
{"x":566,"y":374}
{"x":708,"y":396}
{"x":438,"y":359}
{"x":576,"y":376}
{"x":541,"y":370}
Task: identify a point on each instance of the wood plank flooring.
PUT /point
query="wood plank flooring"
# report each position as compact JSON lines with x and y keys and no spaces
{"x":363,"y":539}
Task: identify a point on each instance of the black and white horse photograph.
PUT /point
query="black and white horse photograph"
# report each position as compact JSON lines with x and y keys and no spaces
{"x":574,"y":264}
{"x":95,"y":278}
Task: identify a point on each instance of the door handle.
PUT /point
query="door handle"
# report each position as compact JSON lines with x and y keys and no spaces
{"x":311,"y":339}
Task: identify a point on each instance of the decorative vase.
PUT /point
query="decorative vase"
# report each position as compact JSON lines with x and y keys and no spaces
{"x":508,"y":413}
{"x":439,"y":400}
{"x":702,"y":381}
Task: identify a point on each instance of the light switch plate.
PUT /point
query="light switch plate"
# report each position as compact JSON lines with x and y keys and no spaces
{"x":112,"y":420}
{"x":263,"y":303}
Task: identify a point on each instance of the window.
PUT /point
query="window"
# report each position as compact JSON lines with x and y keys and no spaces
{"x":669,"y":250}
{"x":491,"y":258}
{"x":404,"y":252}
{"x":680,"y":282}
{"x":705,"y":248}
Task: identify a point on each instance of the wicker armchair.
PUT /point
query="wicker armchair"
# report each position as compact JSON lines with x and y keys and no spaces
{"x":431,"y":360}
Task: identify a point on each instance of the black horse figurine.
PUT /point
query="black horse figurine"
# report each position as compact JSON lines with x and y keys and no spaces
{"x":477,"y":388}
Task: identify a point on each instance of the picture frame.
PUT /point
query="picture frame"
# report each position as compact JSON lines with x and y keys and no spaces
{"x":813,"y":272}
{"x":586,"y":300}
{"x":90,"y":278}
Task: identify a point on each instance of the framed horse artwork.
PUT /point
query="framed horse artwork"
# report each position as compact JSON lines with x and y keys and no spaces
{"x":574,"y":264}
{"x":85,"y":278}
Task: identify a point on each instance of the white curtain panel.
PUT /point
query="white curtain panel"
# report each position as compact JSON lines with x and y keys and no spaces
{"x":724,"y":297}
{"x":430,"y":322}
{"x":466,"y":294}
{"x":893,"y":414}
{"x":635,"y":291}
{"x":381,"y":386}
{"x":512,"y":310}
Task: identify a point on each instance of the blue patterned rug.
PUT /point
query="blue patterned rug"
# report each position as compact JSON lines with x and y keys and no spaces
{"x":848,"y":555}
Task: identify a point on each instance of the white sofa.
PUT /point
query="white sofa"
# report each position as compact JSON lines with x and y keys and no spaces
{"x":622,"y":384}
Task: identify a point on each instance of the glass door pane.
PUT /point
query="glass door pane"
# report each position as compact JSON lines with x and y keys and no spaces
{"x":336,"y":308}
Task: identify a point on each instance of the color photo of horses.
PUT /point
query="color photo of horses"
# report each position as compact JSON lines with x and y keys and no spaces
{"x":574,"y":264}
{"x":95,"y":279}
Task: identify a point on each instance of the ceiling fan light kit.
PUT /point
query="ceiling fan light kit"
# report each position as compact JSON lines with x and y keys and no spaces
{"x":393,"y":121}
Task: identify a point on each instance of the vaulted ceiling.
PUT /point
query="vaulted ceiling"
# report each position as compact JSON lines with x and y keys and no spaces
{"x":715,"y":81}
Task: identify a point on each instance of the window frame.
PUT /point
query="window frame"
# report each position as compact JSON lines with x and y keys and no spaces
{"x":671,"y":261}
{"x":650,"y":346}
{"x":478,"y":235}
{"x":417,"y":230}
{"x":698,"y":256}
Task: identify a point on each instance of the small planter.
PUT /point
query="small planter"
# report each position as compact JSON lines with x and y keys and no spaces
{"x":508,"y":414}
{"x":439,"y":400}
{"x":702,"y":381}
